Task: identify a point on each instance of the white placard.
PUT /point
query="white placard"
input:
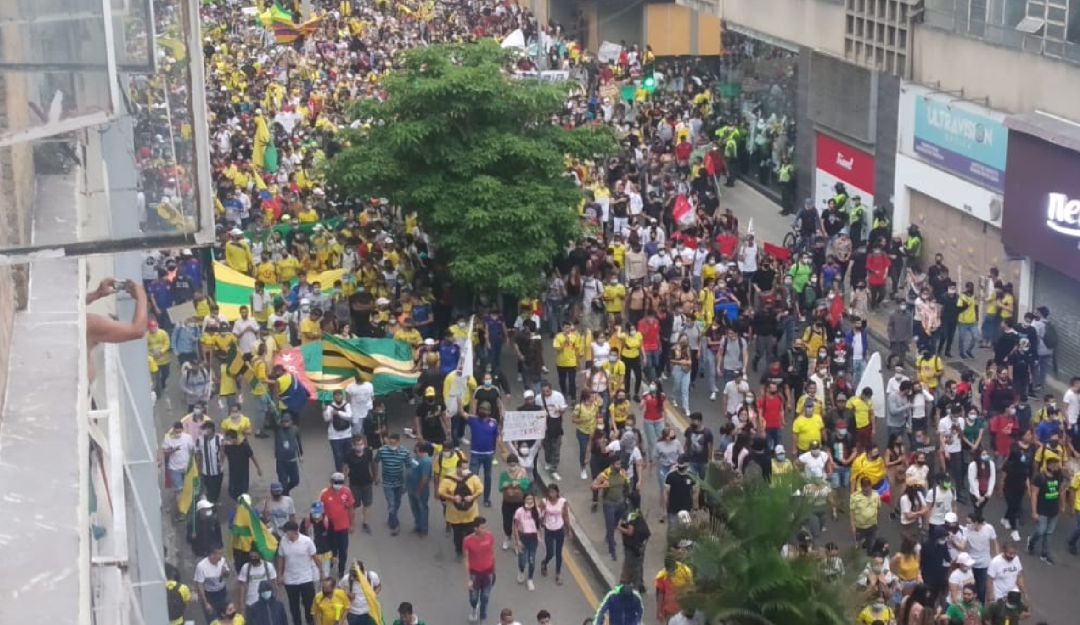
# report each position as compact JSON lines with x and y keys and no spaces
{"x":523,"y":425}
{"x":608,"y":52}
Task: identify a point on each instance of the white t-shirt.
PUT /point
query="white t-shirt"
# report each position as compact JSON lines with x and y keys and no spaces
{"x":210,"y":575}
{"x":359,"y":604}
{"x":906,"y":507}
{"x":1004,"y":575}
{"x":297,"y":555}
{"x":941,"y":503}
{"x":181,"y":448}
{"x":919,"y":402}
{"x":344,"y":412}
{"x":246,"y":340}
{"x":978,"y":544}
{"x":893,"y":385}
{"x":1071,"y":399}
{"x":556,"y":403}
{"x":252,"y":576}
{"x":814,"y":468}
{"x":360,"y":399}
{"x":961,"y":578}
{"x":950,"y":440}
{"x":600,"y":351}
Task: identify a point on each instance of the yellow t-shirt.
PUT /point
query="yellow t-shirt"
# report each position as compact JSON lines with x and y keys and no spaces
{"x":585,"y":417}
{"x":159,"y":342}
{"x":240,"y":426}
{"x":992,"y":304}
{"x":238,"y":257}
{"x":968,"y":315}
{"x":614,"y":295}
{"x":867,"y":616}
{"x":618,"y":254}
{"x":266,"y":272}
{"x":566,"y":349}
{"x":328,"y":610}
{"x":631,"y":346}
{"x":929,"y":369}
{"x":800,"y":404}
{"x":861,"y":410}
{"x":202,"y":309}
{"x":257,"y":375}
{"x":616,"y":372}
{"x":236,"y":620}
{"x":620,"y":412}
{"x":288,"y":268}
{"x":309,"y":216}
{"x":1075,"y":486}
{"x":412,"y":337}
{"x":1007,"y":303}
{"x":807,"y":430}
{"x":310,"y":331}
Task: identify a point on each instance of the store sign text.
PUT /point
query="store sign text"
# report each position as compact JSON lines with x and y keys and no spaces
{"x":1063,"y":214}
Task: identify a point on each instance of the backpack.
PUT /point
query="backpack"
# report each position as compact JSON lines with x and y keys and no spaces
{"x":175,"y":601}
{"x":463,"y":490}
{"x":339,"y":423}
{"x":1050,"y":335}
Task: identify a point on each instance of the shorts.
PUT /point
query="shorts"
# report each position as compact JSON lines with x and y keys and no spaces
{"x":362,"y":494}
{"x":176,"y":479}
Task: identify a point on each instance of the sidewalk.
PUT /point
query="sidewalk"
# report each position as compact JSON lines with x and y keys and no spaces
{"x":753,"y":210}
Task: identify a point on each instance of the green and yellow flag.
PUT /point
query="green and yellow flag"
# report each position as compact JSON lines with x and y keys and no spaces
{"x":386,"y":363}
{"x":374,"y":607}
{"x":233,"y":289}
{"x":249,"y":531}
{"x":192,"y":485}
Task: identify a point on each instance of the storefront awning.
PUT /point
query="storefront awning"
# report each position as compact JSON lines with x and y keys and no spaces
{"x":1050,"y":128}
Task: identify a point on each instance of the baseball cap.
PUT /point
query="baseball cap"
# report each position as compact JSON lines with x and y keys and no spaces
{"x":964,"y":559}
{"x":276,"y":488}
{"x":337,"y":476}
{"x":429,"y":391}
{"x":950,"y":517}
{"x":528,"y":394}
{"x":236,"y":232}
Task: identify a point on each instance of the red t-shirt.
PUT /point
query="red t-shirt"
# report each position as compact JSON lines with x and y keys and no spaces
{"x":654,"y":407}
{"x":877,"y":266}
{"x":726,"y":244}
{"x":772,"y":410}
{"x":650,"y":335}
{"x":481,"y":552}
{"x":683,"y":151}
{"x":337,"y":504}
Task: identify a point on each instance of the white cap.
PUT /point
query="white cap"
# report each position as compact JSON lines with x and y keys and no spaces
{"x":779,"y":449}
{"x":203,"y":504}
{"x":429,"y":342}
{"x":382,"y":301}
{"x":318,"y":191}
{"x":965,"y":559}
{"x":950,"y":517}
{"x":528,"y":394}
{"x":236,"y":232}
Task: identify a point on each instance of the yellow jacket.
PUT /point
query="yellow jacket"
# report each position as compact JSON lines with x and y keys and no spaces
{"x":158,"y":344}
{"x":447,"y":487}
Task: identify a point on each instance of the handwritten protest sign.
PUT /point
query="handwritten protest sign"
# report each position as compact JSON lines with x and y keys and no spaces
{"x":523,"y":425}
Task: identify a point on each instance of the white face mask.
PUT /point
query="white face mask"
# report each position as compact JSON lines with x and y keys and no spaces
{"x":337,"y":486}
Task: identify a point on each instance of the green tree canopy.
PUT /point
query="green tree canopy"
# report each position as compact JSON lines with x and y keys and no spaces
{"x":474,"y":152}
{"x":740,"y":576}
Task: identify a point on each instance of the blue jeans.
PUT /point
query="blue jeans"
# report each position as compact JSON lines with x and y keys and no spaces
{"x":419,"y":508}
{"x":857,"y":368}
{"x":288,"y":474}
{"x":612,"y":513}
{"x":1043,"y":530}
{"x":652,"y":434}
{"x":340,"y":448}
{"x":652,"y":365}
{"x":708,"y":367}
{"x":772,"y":438}
{"x":553,"y":312}
{"x":1075,"y":536}
{"x":477,"y":460}
{"x":480,"y":591}
{"x":553,"y":545}
{"x":682,"y":386}
{"x":583,"y":446}
{"x":991,"y":328}
{"x":1045,"y":364}
{"x":968,"y":337}
{"x":393,"y":503}
{"x":527,"y":556}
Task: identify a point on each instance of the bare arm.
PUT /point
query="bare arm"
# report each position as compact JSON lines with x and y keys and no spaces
{"x":104,"y":330}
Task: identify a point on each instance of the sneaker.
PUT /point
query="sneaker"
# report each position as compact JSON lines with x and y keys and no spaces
{"x":584,"y":474}
{"x":1015,"y":536}
{"x":521,"y":577}
{"x":408,"y":432}
{"x":506,"y":545}
{"x":1005,"y":523}
{"x":464,"y":442}
{"x":556,"y":476}
{"x":530,"y":585}
{"x":543,"y":569}
{"x":1047,"y":559}
{"x":366,"y":528}
{"x":1030,"y":546}
{"x":712,"y":396}
{"x":474,"y":614}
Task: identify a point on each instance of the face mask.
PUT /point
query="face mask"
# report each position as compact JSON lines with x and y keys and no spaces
{"x":197,"y":411}
{"x":337,"y":486}
{"x":266,"y":595}
{"x":487,"y":383}
{"x":985,"y":457}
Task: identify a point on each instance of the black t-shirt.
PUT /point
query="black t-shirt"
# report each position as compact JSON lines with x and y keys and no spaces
{"x":764,"y":279}
{"x":359,"y":467}
{"x":681,"y":495}
{"x":698,"y":443}
{"x":491,"y":396}
{"x":1018,"y":465}
{"x":239,"y":459}
{"x":1048,"y":501}
{"x":430,"y":421}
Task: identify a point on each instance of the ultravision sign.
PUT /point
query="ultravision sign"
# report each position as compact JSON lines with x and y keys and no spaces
{"x":967,"y":144}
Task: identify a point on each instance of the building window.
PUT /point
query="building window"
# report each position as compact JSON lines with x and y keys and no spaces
{"x":876,"y":34}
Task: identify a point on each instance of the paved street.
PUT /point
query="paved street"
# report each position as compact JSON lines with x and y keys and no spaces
{"x":1050,"y":585}
{"x":423,"y":571}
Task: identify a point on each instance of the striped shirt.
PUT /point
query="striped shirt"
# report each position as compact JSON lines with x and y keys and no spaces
{"x":209,"y":451}
{"x":393,"y":465}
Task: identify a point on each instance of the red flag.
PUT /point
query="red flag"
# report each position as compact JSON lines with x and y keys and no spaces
{"x":781,"y":254}
{"x":683,"y":213}
{"x":292,"y":360}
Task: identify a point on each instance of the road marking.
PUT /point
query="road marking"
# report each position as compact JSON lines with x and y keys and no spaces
{"x":579,"y":578}
{"x":675,"y":416}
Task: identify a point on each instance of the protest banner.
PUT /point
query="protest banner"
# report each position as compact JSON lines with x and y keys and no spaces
{"x":523,"y":425}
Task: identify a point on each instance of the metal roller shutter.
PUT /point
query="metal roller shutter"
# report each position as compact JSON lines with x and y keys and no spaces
{"x":1061,"y":295}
